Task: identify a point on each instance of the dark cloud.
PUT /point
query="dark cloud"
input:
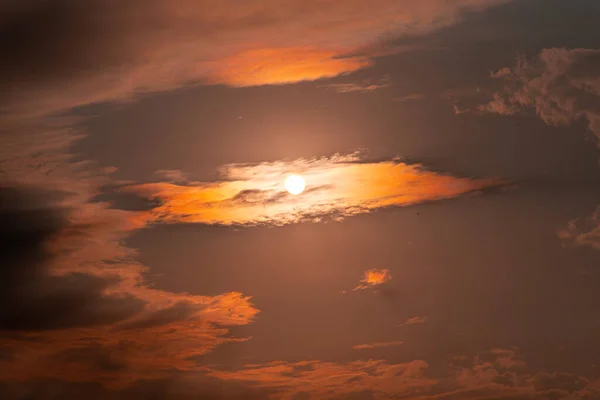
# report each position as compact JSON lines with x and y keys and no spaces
{"x":31,"y":297}
{"x":164,"y":389}
{"x":180,"y":311}
{"x":74,"y":307}
{"x":254,"y":196}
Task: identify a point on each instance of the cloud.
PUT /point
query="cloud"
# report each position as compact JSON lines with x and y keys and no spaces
{"x":507,"y":358}
{"x":486,"y":376}
{"x":75,"y":304}
{"x":413,"y":321}
{"x":374,"y":277}
{"x":32,"y":298}
{"x":562,"y":86}
{"x":320,"y":380}
{"x":104,"y":50}
{"x":337,"y":187}
{"x":87,"y":320}
{"x":366,"y":86}
{"x":583,"y":231}
{"x":171,"y":175}
{"x":376,"y":345}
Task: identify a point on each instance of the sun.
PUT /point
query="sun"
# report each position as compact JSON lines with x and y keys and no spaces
{"x":295,"y":184}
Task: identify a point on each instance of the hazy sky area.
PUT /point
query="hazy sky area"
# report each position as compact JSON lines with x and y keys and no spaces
{"x":446,"y":245}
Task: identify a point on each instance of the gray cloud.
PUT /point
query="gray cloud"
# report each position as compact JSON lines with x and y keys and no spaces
{"x":563,"y":87}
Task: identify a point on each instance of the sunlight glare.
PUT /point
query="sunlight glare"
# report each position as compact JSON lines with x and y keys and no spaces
{"x":295,"y":184}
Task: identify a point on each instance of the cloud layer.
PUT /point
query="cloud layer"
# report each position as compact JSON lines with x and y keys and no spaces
{"x":496,"y":374}
{"x":67,"y":53}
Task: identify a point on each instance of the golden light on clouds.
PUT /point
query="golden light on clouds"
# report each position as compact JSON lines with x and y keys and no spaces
{"x":284,"y":65}
{"x":340,"y":186}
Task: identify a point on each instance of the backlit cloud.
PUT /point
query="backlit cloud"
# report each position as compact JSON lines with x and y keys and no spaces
{"x":337,"y":187}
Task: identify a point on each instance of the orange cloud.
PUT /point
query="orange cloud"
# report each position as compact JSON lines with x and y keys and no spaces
{"x":337,"y":187}
{"x":284,"y":65}
{"x":152,"y":45}
{"x":374,"y":277}
{"x":376,"y":345}
{"x":325,"y":380}
{"x":151,"y":345}
{"x":485,"y":376}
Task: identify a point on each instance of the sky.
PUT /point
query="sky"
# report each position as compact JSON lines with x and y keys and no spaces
{"x":446,"y":244}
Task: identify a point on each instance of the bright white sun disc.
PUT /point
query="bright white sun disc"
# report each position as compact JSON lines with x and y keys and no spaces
{"x":295,"y":184}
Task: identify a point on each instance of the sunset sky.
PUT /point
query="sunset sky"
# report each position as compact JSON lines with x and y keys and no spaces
{"x":445,"y":244}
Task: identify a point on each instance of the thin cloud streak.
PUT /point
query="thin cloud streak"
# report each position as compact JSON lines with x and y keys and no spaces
{"x":366,"y":86}
{"x":413,"y":321}
{"x":376,"y":345}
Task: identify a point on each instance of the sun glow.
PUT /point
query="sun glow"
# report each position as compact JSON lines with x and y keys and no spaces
{"x":295,"y":184}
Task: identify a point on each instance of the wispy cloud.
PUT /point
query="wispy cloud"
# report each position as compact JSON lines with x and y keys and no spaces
{"x":366,"y":86}
{"x":485,"y":377}
{"x":413,"y":321}
{"x":376,"y":345}
{"x":374,"y":277}
{"x":171,"y":175}
{"x":337,"y":187}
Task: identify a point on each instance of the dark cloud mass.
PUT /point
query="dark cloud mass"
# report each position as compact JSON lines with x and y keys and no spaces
{"x":33,"y":299}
